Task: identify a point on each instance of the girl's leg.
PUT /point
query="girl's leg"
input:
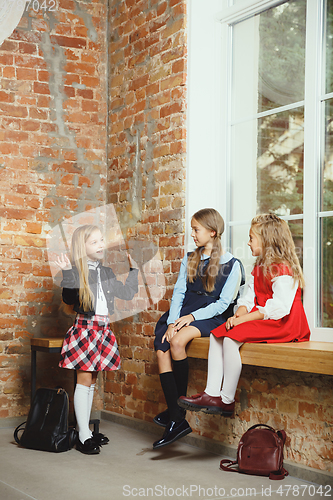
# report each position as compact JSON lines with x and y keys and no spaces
{"x":91,"y":392}
{"x":179,"y":342}
{"x":215,"y":366}
{"x":178,"y":352}
{"x":169,"y":385}
{"x":81,"y":404}
{"x":232,"y":366}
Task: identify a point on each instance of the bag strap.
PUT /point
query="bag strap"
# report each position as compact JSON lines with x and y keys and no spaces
{"x":262,"y":425}
{"x":18,"y":428}
{"x":228,"y":466}
{"x":283,"y":436}
{"x":280,"y":474}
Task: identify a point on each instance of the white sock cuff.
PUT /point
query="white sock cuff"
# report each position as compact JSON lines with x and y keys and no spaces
{"x":84,"y":389}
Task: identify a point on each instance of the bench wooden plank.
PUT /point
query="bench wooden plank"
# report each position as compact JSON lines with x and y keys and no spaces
{"x":47,"y":342}
{"x":311,"y":357}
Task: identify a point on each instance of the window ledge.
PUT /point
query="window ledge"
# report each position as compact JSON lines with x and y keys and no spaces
{"x":311,"y":357}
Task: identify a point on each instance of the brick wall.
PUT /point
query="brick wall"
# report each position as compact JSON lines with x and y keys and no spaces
{"x":146,"y":176}
{"x":52,"y":164}
{"x":55,"y":160}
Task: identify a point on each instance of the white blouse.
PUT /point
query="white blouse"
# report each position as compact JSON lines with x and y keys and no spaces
{"x":284,"y":291}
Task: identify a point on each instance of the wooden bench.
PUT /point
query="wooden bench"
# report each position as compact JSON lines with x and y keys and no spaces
{"x":311,"y":356}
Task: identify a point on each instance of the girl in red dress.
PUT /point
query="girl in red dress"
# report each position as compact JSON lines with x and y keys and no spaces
{"x":270,"y":311}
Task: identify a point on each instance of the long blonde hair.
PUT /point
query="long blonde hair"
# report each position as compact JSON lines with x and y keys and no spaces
{"x":79,"y":259}
{"x":210,"y":219}
{"x":277,"y":245}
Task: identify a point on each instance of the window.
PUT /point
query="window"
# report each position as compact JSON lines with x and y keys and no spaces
{"x":273,"y":139}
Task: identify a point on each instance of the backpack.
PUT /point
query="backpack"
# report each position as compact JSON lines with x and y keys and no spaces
{"x":260,"y":452}
{"x":46,"y":428}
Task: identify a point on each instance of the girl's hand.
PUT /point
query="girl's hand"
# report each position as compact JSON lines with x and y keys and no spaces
{"x":183,"y":321}
{"x":243,"y":318}
{"x":171,"y":332}
{"x":230,"y":322}
{"x":233,"y":320}
{"x":241,"y":311}
{"x":132,"y":262}
{"x":63,"y":262}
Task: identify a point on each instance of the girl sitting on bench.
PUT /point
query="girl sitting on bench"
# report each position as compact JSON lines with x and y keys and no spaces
{"x":270,"y":311}
{"x":207,"y":283}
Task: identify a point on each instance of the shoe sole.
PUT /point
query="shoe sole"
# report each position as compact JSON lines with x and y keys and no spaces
{"x":182,"y":434}
{"x":88,"y":452}
{"x":159,"y":423}
{"x":210,"y":410}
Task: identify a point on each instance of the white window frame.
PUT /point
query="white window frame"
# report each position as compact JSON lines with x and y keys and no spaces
{"x":209,"y":130}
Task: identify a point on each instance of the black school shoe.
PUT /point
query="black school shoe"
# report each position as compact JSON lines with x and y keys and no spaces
{"x":89,"y":447}
{"x":173,"y":431}
{"x":163,"y":418}
{"x":100,"y":439}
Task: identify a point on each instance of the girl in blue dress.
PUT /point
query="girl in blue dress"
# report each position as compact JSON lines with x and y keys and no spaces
{"x":202,"y":300}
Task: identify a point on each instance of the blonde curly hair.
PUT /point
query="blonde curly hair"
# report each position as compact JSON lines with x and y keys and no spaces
{"x":277,"y":245}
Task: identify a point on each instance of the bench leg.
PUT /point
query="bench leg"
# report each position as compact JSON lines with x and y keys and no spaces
{"x":33,"y":374}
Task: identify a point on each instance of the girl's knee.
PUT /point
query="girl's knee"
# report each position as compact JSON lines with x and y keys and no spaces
{"x":177,"y":343}
{"x":84,"y":378}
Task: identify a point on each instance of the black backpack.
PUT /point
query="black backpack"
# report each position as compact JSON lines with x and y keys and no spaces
{"x":47,"y":428}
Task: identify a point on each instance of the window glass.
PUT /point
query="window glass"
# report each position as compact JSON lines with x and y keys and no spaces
{"x":267,"y":170}
{"x":329,"y":46}
{"x":280,"y":163}
{"x":326,"y":273}
{"x":282,"y":55}
{"x":269,"y":68}
{"x":327,"y":171}
{"x":296,"y":228}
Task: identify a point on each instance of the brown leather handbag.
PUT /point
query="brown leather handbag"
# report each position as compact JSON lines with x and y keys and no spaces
{"x":260,"y":452}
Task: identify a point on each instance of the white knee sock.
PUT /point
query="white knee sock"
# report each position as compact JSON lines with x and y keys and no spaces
{"x":81,"y":398}
{"x":215,"y":366}
{"x":91,"y":397}
{"x":232,"y":366}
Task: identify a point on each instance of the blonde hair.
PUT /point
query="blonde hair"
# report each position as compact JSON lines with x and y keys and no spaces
{"x":79,"y":259}
{"x":210,"y":219}
{"x":277,"y":245}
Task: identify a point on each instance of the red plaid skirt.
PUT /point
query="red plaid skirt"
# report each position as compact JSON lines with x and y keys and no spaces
{"x":90,"y":345}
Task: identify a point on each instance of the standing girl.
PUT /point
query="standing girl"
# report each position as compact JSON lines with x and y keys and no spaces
{"x":89,"y":345}
{"x":207,"y":283}
{"x":270,"y":311}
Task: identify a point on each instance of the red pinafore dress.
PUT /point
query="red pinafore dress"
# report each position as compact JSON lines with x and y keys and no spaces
{"x":291,"y":328}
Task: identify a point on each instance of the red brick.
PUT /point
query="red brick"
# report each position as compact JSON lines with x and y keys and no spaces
{"x":12,"y":110}
{"x":65,"y":41}
{"x":41,"y":88}
{"x":6,"y":96}
{"x":26,"y":74}
{"x":6,"y":59}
